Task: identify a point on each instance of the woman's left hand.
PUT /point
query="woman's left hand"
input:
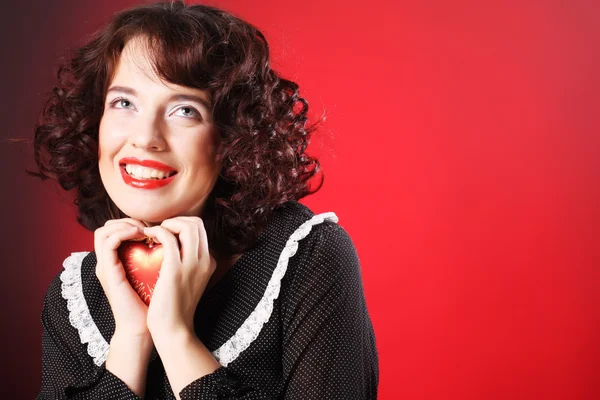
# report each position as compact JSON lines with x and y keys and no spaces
{"x":183,"y":277}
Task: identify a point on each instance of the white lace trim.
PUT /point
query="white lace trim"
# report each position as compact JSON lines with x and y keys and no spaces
{"x":79,"y":314}
{"x":81,"y":319}
{"x":250,"y":329}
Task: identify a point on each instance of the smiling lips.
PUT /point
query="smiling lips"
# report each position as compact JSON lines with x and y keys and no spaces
{"x":145,"y":174}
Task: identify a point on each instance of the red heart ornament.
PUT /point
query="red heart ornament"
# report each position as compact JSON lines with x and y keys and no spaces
{"x":142,"y":260}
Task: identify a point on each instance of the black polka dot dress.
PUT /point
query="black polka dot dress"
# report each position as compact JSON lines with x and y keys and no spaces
{"x":287,"y":321}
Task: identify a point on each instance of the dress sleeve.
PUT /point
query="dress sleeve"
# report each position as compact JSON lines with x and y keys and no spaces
{"x":329,"y":348}
{"x":68,"y":372}
{"x":221,"y":384}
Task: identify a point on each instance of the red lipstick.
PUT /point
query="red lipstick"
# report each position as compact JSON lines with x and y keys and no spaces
{"x":147,"y":163}
{"x":146,"y":183}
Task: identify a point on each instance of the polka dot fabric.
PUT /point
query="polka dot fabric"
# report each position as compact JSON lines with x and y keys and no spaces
{"x":317,"y":344}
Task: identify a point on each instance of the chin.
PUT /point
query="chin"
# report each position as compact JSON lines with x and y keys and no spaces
{"x":153,"y":216}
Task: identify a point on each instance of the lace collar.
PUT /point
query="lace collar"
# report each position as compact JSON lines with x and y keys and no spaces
{"x":81,"y":319}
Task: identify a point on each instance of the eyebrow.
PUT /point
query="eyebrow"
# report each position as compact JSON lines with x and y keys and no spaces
{"x":175,"y":97}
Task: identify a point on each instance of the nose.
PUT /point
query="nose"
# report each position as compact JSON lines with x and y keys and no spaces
{"x":148,"y":134}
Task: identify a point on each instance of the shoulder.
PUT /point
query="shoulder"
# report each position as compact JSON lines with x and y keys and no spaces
{"x":66,"y":284}
{"x":66,"y":309}
{"x":53,"y":302}
{"x":325,"y":256}
{"x":334,"y":244}
{"x":60,"y":302}
{"x":323,"y":282}
{"x":304,"y":225}
{"x":320,"y":237}
{"x":289,"y":223}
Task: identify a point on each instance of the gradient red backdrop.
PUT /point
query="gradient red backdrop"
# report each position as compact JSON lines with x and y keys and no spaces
{"x":461,"y":153}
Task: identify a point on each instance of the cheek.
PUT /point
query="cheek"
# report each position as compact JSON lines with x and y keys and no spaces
{"x":109,"y":139}
{"x":197,"y":150}
{"x":210,"y":146}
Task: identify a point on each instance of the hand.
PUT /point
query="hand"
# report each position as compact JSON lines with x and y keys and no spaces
{"x":129,"y":311}
{"x":183,"y":276}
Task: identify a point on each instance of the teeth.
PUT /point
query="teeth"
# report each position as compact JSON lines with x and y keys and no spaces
{"x":140,"y":172}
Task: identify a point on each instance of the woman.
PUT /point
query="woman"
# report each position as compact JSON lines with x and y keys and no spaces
{"x":171,"y":125}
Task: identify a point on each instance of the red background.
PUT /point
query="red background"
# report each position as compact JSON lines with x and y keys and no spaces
{"x":461,"y":155}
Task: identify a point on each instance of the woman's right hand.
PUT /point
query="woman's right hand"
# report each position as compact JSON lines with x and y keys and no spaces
{"x":128,"y":309}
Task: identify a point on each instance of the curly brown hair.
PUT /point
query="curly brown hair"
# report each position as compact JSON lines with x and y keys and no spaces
{"x":260,"y":117}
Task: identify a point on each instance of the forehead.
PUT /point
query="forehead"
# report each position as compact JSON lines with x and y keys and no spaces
{"x":135,"y":68}
{"x":135,"y":62}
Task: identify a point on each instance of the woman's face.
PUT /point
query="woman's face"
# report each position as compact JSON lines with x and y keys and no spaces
{"x":147,"y":121}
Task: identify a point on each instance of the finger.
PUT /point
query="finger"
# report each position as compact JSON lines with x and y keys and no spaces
{"x":131,"y":221}
{"x":202,"y":235}
{"x":188,"y":237}
{"x":169,"y":242}
{"x":110,"y":259}
{"x":203,"y":239}
{"x":104,"y":232}
{"x":114,"y":240}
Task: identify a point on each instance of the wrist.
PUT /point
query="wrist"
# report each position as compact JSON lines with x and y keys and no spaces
{"x":129,"y":335}
{"x":128,"y":359}
{"x":185,"y":359}
{"x":132,"y":344}
{"x":178,"y":338}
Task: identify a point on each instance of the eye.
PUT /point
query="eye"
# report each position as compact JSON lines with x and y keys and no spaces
{"x":121,"y":102}
{"x":188,"y":112}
